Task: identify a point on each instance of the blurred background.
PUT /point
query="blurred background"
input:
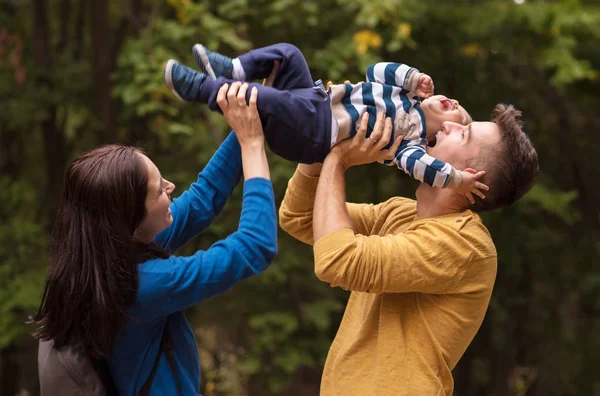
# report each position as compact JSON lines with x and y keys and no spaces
{"x":75,"y":74}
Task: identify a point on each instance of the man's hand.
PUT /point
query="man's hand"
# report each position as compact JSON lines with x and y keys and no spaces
{"x":362,"y":149}
{"x":329,"y":83}
{"x":425,"y":86}
{"x":469,"y":184}
{"x":330,"y":213}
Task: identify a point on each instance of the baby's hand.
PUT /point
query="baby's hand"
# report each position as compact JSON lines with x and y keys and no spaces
{"x":425,"y":86}
{"x":469,"y":184}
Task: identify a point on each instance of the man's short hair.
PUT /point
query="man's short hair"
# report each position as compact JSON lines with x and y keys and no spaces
{"x":511,"y":165}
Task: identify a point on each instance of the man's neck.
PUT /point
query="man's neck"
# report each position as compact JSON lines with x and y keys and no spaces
{"x":432,"y":201}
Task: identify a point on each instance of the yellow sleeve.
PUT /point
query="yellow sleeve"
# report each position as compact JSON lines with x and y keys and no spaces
{"x":296,"y":210}
{"x":362,"y":217}
{"x":432,"y":258}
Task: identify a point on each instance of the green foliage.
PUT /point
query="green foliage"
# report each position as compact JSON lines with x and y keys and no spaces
{"x":22,"y":258}
{"x":555,"y":203}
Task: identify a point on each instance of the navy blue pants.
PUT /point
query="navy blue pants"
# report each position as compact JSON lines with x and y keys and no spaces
{"x":296,"y":116}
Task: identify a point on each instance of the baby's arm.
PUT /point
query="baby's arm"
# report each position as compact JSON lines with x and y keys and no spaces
{"x":414,"y":161}
{"x":469,"y":184}
{"x":402,"y":76}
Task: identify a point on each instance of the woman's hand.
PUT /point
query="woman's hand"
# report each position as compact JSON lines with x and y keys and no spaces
{"x":245,"y":122}
{"x":362,"y":149}
{"x":242,"y":118}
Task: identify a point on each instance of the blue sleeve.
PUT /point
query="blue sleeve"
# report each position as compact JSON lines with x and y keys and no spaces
{"x":172,"y":284}
{"x":198,"y":206}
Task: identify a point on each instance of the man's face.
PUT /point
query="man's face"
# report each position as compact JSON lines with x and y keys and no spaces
{"x":456,"y":143}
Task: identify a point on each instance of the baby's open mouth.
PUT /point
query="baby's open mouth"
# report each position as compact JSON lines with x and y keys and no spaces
{"x":446,"y":104}
{"x":432,"y":142}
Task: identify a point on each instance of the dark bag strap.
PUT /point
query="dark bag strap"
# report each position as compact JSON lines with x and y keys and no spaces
{"x":103,"y":371}
{"x":167,"y":347}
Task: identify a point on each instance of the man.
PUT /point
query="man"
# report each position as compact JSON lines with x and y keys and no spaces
{"x":421,"y":272}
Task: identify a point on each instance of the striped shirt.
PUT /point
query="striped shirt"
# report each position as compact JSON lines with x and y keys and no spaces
{"x":390,"y":88}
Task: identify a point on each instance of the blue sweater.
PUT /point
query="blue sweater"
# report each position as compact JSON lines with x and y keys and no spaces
{"x":167,"y":286}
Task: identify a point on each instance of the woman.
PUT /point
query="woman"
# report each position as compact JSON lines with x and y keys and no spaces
{"x":113,"y":286}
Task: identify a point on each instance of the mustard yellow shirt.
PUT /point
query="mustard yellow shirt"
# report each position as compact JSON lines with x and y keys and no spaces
{"x":420,"y":288}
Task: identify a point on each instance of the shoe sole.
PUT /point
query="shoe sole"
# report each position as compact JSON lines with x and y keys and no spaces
{"x":169,"y":78}
{"x":202,"y":60}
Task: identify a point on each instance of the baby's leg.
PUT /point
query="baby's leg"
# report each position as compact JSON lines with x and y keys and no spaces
{"x":293,"y":71}
{"x":292,"y":108}
{"x":296,"y":122}
{"x":193,"y":86}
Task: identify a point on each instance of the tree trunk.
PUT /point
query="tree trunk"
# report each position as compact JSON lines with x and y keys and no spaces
{"x":79,"y":23}
{"x":101,"y":70}
{"x":9,"y":371}
{"x":65,"y":14}
{"x":54,"y":140}
{"x":9,"y":153}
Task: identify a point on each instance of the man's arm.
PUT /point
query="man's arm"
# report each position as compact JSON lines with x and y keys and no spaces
{"x":330,"y":213}
{"x":296,"y":210}
{"x":330,"y":210}
{"x":432,"y":258}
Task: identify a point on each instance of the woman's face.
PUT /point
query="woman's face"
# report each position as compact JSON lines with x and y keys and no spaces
{"x":158,"y":199}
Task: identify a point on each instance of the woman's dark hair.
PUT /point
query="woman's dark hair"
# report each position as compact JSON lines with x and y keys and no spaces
{"x":92,"y":276}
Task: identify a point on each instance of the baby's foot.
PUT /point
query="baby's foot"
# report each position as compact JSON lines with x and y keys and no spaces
{"x":213,"y":63}
{"x":183,"y":81}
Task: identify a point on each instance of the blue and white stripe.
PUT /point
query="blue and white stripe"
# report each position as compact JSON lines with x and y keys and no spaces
{"x":415,"y":162}
{"x":388,"y":73}
{"x":386,"y":90}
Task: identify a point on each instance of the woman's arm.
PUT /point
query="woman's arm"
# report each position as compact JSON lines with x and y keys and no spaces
{"x":197,"y":207}
{"x":170,"y":285}
{"x":200,"y":204}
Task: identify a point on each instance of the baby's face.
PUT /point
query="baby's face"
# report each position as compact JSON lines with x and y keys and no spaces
{"x":438,"y":109}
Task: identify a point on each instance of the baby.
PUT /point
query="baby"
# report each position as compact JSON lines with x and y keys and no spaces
{"x":302,"y":120}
